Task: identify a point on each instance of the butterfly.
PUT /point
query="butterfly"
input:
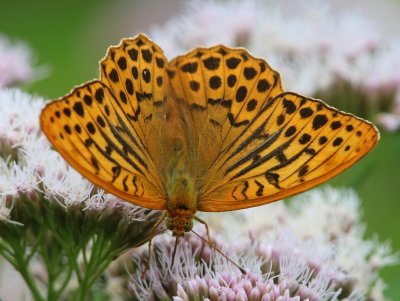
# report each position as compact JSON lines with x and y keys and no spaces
{"x":211,"y":130}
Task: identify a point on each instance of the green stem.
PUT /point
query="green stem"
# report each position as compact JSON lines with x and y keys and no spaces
{"x":72,"y":253}
{"x":21,"y":265}
{"x":7,"y":254}
{"x":45,"y":251}
{"x":29,"y":282}
{"x":101,"y":268}
{"x":91,"y":265}
{"x":63,"y":285}
{"x":98,"y":260}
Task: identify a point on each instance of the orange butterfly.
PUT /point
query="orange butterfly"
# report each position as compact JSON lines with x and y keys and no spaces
{"x":211,"y":130}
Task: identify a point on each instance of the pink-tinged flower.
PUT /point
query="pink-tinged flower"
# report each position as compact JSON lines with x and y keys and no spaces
{"x":379,"y":69}
{"x":6,"y":206}
{"x":311,"y":250}
{"x":349,"y":34}
{"x":386,"y":76}
{"x":19,"y":119}
{"x":314,"y":45}
{"x":195,"y":278}
{"x":205,"y":27}
{"x":16,"y":61}
{"x":389,"y":121}
{"x":17,"y":180}
{"x":326,"y":228}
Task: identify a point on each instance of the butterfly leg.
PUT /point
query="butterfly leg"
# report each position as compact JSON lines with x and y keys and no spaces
{"x":243,"y":271}
{"x":149,"y":250}
{"x":207,"y":229}
{"x":160,"y":220}
{"x":153,"y":233}
{"x":148,"y":260}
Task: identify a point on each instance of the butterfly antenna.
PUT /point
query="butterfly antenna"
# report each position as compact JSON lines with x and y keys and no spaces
{"x":174,"y":252}
{"x":220,"y":252}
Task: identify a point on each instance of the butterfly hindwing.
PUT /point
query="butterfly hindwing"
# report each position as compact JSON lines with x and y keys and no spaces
{"x":295,"y":144}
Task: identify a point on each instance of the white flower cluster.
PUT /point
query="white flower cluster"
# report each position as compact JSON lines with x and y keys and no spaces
{"x":312,"y":43}
{"x":15,"y":63}
{"x":313,"y":249}
{"x":391,"y":121}
{"x":19,"y":118}
{"x":321,"y":228}
{"x":5,"y":210}
{"x":316,"y":46}
{"x":216,"y":279}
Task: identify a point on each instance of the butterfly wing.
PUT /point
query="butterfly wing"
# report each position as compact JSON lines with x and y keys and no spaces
{"x":101,"y":128}
{"x":295,"y":144}
{"x":224,"y":89}
{"x":257,"y":144}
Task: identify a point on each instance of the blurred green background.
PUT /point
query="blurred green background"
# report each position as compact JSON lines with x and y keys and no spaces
{"x":70,"y":37}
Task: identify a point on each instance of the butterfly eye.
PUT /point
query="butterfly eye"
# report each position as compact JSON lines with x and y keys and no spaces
{"x":188,"y":225}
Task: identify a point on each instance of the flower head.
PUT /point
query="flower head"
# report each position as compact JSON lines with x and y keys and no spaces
{"x":15,"y":63}
{"x":19,"y":120}
{"x":314,"y":45}
{"x":312,"y":250}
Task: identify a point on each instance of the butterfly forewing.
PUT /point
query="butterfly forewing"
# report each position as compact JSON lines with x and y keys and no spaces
{"x":135,"y":73}
{"x":101,"y":127}
{"x":296,"y":143}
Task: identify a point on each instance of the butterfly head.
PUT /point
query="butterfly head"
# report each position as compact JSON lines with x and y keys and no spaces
{"x":180,"y":221}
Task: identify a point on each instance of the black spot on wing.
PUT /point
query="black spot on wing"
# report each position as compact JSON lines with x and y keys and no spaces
{"x":147,"y":55}
{"x":211,"y":63}
{"x":190,"y":67}
{"x":260,"y":190}
{"x":78,"y":108}
{"x":319,"y":121}
{"x":232,"y":62}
